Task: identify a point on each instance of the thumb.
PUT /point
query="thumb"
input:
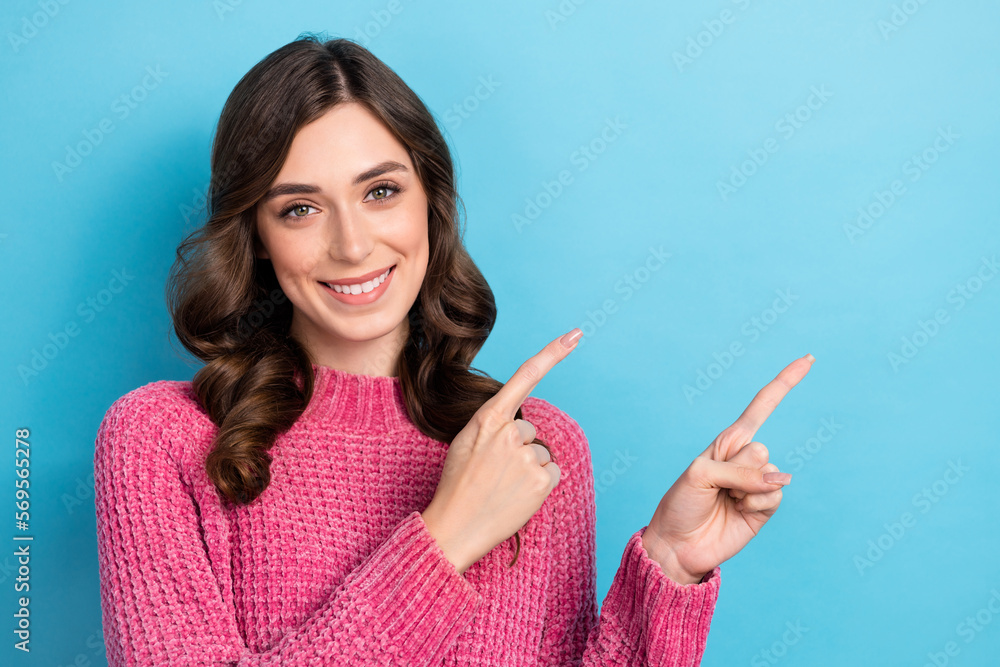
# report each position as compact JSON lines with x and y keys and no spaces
{"x":708,"y":473}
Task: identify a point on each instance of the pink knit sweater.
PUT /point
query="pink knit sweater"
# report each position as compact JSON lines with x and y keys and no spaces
{"x":333,"y":564}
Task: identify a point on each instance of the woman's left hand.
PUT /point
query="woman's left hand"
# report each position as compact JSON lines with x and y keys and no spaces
{"x":723,"y":499}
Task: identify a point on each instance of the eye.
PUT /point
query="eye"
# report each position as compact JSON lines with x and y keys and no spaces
{"x":382,"y":189}
{"x":295,"y":210}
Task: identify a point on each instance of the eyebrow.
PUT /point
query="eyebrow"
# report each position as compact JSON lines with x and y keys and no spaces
{"x":305,"y":188}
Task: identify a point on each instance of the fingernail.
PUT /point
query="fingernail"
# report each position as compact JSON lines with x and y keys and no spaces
{"x":810,"y":358}
{"x":777,"y":477}
{"x":569,"y":339}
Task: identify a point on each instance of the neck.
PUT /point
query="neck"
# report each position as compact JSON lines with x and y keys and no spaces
{"x":377,"y":357}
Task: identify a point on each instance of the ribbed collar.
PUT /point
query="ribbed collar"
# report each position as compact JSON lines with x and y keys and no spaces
{"x":357,"y":403}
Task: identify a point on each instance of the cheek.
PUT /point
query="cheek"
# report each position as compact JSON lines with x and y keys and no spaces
{"x":293,"y":259}
{"x":413,"y":235}
{"x":305,"y":265}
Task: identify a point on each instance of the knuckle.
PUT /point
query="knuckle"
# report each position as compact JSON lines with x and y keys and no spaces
{"x":530,"y":371}
{"x":758,"y":450}
{"x":735,"y":433}
{"x":556,"y":469}
{"x":697,"y":472}
{"x":540,"y":481}
{"x":490,"y":417}
{"x":528,"y":455}
{"x":696,"y":468}
{"x":506,"y":428}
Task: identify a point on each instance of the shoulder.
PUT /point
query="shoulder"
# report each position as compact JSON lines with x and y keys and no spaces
{"x":157,"y":402}
{"x":574,"y":495}
{"x":150,"y":414}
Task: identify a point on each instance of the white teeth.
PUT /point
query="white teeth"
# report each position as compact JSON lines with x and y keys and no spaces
{"x":363,"y":287}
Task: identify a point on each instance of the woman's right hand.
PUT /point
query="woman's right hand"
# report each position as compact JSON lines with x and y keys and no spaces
{"x":493,"y":480}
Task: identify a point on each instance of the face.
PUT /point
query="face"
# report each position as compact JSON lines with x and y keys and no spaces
{"x":346,"y":207}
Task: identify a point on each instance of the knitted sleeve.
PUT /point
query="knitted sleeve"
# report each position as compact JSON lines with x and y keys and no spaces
{"x":162,"y":604}
{"x":646,"y":618}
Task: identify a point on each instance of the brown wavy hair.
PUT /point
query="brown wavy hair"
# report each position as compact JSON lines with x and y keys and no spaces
{"x":229,"y":311}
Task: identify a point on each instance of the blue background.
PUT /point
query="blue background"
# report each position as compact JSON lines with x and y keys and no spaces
{"x":697,"y":93}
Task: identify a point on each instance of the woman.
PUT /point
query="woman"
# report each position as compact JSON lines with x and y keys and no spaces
{"x":297,"y":503}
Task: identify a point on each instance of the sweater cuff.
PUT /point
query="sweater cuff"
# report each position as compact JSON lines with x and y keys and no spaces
{"x":424,"y":597}
{"x":670,"y":620}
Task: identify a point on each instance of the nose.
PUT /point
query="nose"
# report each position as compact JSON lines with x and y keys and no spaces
{"x":349,"y":237}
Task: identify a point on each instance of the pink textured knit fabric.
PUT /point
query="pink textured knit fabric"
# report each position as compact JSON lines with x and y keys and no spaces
{"x":333,"y":564}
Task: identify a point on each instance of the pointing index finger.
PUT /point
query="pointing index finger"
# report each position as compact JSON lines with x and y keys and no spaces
{"x":767,"y":399}
{"x":530,"y":373}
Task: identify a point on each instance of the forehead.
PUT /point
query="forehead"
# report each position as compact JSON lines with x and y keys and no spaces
{"x":341,"y":143}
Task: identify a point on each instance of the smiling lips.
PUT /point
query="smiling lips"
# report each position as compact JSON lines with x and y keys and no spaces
{"x":359,"y":285}
{"x":362,"y":289}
